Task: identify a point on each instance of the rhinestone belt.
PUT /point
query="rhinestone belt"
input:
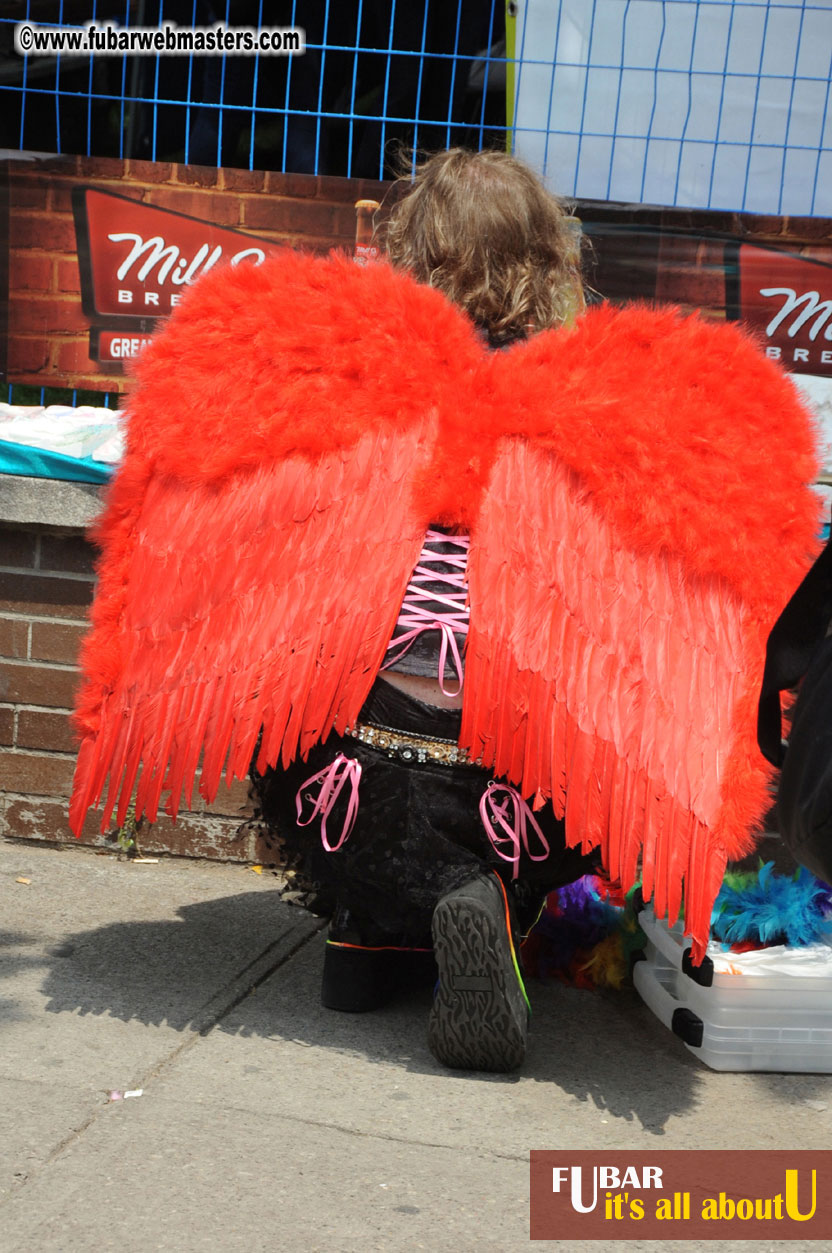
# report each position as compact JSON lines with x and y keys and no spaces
{"x":412,"y":748}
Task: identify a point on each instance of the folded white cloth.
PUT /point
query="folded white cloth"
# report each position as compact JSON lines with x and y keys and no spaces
{"x":83,"y":431}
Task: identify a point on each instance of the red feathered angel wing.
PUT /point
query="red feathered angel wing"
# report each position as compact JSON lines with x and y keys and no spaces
{"x":633,"y":546}
{"x":261,"y":532}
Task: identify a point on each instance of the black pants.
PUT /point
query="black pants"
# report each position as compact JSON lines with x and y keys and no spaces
{"x":418,"y":833}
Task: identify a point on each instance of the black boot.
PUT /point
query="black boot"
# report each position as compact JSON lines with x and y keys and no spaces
{"x":364,"y":967}
{"x":480,"y":1013}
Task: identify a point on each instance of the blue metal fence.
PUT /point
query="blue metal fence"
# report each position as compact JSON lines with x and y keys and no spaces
{"x":708,"y":103}
{"x":687,"y":102}
{"x":716,"y":104}
{"x":375,"y":74}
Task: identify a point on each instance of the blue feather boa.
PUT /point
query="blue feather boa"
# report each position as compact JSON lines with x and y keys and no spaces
{"x":767,"y":908}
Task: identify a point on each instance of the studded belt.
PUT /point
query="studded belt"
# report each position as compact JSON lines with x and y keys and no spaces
{"x":407,"y":748}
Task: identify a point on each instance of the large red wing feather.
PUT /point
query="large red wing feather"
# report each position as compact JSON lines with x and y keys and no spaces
{"x":644,"y":519}
{"x":611,"y":680}
{"x":261,"y":529}
{"x":265,"y":601}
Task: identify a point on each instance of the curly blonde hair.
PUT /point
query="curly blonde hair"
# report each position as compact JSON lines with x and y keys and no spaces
{"x":482,"y":228}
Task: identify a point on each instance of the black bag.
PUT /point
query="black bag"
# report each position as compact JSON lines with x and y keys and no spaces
{"x":800,"y":647}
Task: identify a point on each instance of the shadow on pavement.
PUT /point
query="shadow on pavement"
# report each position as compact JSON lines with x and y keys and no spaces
{"x":603,"y":1049}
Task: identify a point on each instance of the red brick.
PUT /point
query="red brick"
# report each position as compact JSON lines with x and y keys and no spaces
{"x":690,"y":271}
{"x":42,"y":230}
{"x":36,"y":774}
{"x":27,"y":192}
{"x":149,"y":171}
{"x":14,"y":638}
{"x":38,"y":594}
{"x":17,"y":548}
{"x":6,"y":726}
{"x":762,"y":225}
{"x":678,"y":249}
{"x":377,"y":188}
{"x":60,"y":200}
{"x":196,"y":175}
{"x":45,"y":818}
{"x":698,"y":287}
{"x":46,"y":314}
{"x":221,"y":208}
{"x":52,"y":732}
{"x":30,"y":271}
{"x":38,"y":685}
{"x":102,"y":167}
{"x":28,"y":313}
{"x":27,"y":354}
{"x":72,"y":356}
{"x":264,"y":850}
{"x":73,"y":364}
{"x":616,"y":212}
{"x":303,"y":217}
{"x":307,"y":243}
{"x":677,"y":219}
{"x":194,"y":835}
{"x":346,"y":221}
{"x":229,"y":801}
{"x":62,"y":166}
{"x":39,"y":819}
{"x":298,"y":185}
{"x":55,"y":641}
{"x":339,"y":190}
{"x":243,"y":180}
{"x":68,"y":277}
{"x":70,"y":552}
{"x":108,"y":379}
{"x":812,"y":230}
{"x":625,"y":276}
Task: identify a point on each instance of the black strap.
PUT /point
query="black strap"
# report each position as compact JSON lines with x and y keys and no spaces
{"x":797,"y":633}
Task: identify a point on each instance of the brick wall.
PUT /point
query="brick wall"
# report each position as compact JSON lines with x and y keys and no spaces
{"x":46,"y":584}
{"x":48,"y":332}
{"x":676,"y":256}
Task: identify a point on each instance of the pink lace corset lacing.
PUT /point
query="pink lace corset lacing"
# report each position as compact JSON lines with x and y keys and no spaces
{"x":419,"y":609}
{"x":508,"y":822}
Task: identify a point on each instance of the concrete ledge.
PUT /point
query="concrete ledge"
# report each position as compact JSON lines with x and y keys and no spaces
{"x":50,"y":503}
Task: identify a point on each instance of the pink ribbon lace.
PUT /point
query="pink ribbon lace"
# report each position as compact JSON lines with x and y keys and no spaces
{"x":332,"y":781}
{"x":418,"y":613}
{"x":515,"y":831}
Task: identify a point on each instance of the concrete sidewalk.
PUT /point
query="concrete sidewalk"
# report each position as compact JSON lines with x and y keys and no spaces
{"x":268,"y":1123}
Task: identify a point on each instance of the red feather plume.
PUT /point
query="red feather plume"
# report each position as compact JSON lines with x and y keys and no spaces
{"x":635,"y":489}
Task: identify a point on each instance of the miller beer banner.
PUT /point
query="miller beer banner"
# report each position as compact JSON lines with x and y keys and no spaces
{"x":136,"y":260}
{"x":99,"y":250}
{"x":788,"y":299}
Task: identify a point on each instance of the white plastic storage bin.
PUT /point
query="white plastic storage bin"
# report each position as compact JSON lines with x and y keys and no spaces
{"x":770,"y":1009}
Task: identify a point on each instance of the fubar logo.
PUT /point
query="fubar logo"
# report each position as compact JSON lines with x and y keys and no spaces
{"x":605,"y":1178}
{"x":683,"y":1195}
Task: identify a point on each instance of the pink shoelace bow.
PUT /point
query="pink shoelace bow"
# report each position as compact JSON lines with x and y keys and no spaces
{"x":342,"y":770}
{"x":417,"y":615}
{"x":515,"y":832}
{"x":332,"y":781}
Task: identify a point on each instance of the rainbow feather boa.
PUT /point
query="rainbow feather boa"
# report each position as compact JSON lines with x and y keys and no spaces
{"x":588,"y":931}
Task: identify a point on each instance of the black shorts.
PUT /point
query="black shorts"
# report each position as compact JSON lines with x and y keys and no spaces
{"x":418,"y":832}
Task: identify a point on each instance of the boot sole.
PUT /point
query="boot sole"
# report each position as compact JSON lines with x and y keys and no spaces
{"x":479,"y":1018}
